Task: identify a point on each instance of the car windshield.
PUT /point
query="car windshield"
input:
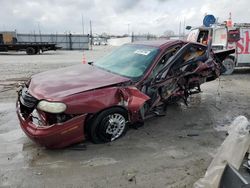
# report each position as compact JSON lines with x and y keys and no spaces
{"x":129,"y":60}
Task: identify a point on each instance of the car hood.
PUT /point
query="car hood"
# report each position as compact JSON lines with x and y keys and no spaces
{"x":56,"y":84}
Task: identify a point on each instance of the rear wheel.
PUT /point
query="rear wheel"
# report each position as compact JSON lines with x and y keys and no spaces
{"x":229,"y":65}
{"x":37,"y":51}
{"x":108,"y":126}
{"x":30,"y":51}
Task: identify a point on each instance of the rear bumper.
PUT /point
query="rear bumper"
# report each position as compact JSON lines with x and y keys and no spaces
{"x":55,"y":136}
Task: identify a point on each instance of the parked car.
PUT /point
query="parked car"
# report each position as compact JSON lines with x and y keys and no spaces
{"x":99,"y":100}
{"x":104,"y":43}
{"x":96,"y":43}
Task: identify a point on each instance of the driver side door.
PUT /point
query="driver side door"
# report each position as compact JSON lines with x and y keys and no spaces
{"x":151,"y":87}
{"x":171,"y":80}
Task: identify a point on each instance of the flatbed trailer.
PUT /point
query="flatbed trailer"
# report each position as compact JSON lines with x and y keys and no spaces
{"x":30,"y":48}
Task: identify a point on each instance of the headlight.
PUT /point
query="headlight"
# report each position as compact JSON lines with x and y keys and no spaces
{"x":51,"y":107}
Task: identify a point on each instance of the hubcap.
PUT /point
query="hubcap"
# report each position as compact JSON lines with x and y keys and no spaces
{"x":116,"y":125}
{"x":229,"y":66}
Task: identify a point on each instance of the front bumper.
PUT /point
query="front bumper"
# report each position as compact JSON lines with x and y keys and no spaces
{"x":56,"y":136}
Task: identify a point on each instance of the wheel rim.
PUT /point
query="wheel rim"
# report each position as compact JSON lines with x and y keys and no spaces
{"x":116,"y":125}
{"x":229,"y":66}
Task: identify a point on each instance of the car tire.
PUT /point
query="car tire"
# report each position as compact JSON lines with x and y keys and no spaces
{"x":101,"y":130}
{"x":229,"y":64}
{"x":30,"y":51}
{"x":37,"y":51}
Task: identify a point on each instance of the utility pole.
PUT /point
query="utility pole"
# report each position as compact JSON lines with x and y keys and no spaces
{"x":82,"y":25}
{"x":180,"y":29}
{"x":128,"y":29}
{"x":90,"y":32}
{"x":40,"y":32}
{"x":35,"y":35}
{"x":184,"y":27}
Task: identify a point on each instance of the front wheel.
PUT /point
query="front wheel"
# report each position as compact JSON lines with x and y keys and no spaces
{"x":30,"y":51}
{"x":229,"y":65}
{"x":108,"y":126}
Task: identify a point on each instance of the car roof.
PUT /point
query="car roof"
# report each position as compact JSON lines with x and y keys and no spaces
{"x":158,"y":43}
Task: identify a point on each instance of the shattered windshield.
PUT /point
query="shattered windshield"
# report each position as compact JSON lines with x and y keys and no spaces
{"x":129,"y":60}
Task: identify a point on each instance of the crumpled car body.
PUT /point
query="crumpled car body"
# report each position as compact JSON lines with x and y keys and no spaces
{"x":98,"y":101}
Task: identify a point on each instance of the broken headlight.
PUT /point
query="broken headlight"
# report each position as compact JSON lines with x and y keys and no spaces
{"x":51,"y":107}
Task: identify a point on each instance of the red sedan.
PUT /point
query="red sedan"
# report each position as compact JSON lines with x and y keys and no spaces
{"x":62,"y":107}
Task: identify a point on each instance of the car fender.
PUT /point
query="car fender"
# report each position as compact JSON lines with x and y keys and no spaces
{"x":94,"y":101}
{"x":134,"y":97}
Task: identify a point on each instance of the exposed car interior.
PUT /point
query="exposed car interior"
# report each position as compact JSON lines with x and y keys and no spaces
{"x":203,"y":37}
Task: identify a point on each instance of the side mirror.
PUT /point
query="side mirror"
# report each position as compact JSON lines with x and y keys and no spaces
{"x":90,"y":63}
{"x":188,"y":27}
{"x":158,"y":78}
{"x":234,"y":35}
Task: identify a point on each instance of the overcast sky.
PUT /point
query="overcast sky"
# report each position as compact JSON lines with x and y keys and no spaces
{"x":114,"y":16}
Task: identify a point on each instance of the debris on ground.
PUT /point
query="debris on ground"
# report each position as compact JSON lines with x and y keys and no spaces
{"x":192,"y":134}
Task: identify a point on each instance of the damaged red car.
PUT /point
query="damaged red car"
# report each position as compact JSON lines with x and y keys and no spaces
{"x":99,"y":100}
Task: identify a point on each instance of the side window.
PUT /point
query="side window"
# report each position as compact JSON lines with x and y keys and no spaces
{"x":193,"y":53}
{"x":164,"y":60}
{"x":190,"y":55}
{"x":203,"y":37}
{"x":1,"y":38}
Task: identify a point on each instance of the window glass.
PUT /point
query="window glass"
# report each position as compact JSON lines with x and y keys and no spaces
{"x":130,"y":61}
{"x":165,"y":59}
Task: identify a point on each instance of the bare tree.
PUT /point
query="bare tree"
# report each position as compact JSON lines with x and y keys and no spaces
{"x":168,"y":33}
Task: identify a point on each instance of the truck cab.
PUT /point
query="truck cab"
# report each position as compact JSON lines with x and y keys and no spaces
{"x":7,"y":38}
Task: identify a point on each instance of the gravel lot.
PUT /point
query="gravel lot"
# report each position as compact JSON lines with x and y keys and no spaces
{"x":169,"y":151}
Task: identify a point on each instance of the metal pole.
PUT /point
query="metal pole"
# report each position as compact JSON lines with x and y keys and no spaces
{"x":128,"y":29}
{"x":180,"y":29}
{"x":82,"y":25}
{"x":184,"y":24}
{"x":91,"y":37}
{"x":70,"y":41}
{"x":35,"y":35}
{"x":82,"y":35}
{"x":40,"y":32}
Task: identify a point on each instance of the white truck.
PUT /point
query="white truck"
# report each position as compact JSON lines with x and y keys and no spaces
{"x":224,"y":37}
